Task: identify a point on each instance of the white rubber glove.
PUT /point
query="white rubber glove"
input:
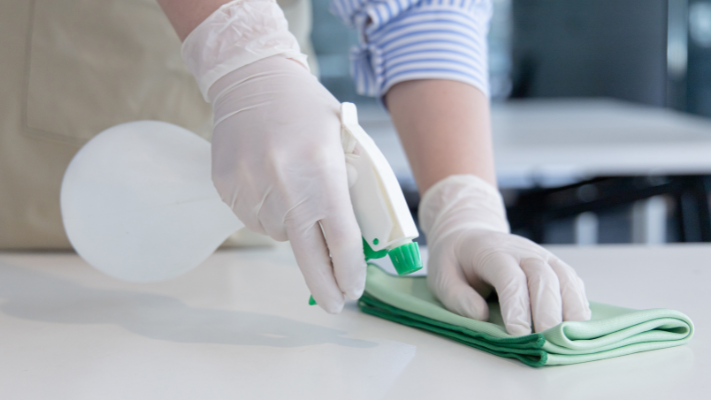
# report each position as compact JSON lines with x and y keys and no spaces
{"x":471,"y":253}
{"x":277,"y":158}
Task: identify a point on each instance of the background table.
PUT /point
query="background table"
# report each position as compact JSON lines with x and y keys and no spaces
{"x":590,"y":155}
{"x":553,"y":142}
{"x":239,"y":327}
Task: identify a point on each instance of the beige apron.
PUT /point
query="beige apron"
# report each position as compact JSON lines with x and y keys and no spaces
{"x":70,"y":69}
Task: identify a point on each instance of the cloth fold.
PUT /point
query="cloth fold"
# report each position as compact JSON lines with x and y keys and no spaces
{"x":612,"y":332}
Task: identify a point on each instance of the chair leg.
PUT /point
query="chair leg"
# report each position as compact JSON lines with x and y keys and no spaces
{"x":649,"y":221}
{"x":586,"y":229}
{"x":679,"y":216}
{"x":701,"y":197}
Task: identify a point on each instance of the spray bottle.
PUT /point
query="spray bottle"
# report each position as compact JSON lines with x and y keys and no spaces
{"x":138,"y":201}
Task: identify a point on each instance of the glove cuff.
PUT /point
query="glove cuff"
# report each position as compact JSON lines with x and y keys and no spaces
{"x":236,"y":34}
{"x":461,"y":202}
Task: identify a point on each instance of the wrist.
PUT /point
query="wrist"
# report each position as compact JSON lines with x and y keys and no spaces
{"x":461,"y":202}
{"x":237,"y":34}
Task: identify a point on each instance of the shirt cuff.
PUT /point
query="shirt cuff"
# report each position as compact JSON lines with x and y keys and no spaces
{"x":403,"y":40}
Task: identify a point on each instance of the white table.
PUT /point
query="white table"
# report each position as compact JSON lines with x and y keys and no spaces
{"x":238,"y":327}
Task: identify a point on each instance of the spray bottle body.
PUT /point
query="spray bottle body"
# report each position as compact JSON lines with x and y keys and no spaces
{"x":138,"y":201}
{"x":380,"y":208}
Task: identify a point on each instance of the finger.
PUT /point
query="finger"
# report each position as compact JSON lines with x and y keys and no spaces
{"x":572,"y":290}
{"x":344,"y":242}
{"x":312,"y":257}
{"x":342,"y":233}
{"x":447,"y":281}
{"x":503,"y":273}
{"x":544,"y":292}
{"x":343,"y":238}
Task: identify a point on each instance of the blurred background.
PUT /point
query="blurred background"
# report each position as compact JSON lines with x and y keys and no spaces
{"x":600,"y":111}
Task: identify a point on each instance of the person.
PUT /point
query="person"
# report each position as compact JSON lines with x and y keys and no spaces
{"x":278,"y":161}
{"x":73,"y":68}
{"x":70,"y":69}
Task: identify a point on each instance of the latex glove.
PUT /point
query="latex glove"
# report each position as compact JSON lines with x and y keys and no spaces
{"x":471,"y":253}
{"x":277,"y":158}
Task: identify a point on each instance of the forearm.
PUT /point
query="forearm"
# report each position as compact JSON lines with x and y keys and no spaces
{"x":428,"y":62}
{"x":186,"y":15}
{"x":445,"y":128}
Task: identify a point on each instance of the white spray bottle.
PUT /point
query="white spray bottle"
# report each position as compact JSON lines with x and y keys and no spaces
{"x":138,"y":201}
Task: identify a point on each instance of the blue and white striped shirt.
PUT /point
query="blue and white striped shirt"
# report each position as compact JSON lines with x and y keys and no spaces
{"x":402,"y":40}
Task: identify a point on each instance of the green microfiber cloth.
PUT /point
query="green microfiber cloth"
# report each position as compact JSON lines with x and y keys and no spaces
{"x":612,"y":331}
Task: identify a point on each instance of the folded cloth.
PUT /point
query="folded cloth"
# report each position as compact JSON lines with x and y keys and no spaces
{"x":612,"y":331}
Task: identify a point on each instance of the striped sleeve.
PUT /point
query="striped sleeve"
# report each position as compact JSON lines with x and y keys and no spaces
{"x":403,"y":40}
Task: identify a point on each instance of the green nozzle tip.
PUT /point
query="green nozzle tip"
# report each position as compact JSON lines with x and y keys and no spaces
{"x":406,"y":258}
{"x":312,"y":302}
{"x":371,"y":254}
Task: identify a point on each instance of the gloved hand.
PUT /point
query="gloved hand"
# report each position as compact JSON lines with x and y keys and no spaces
{"x":277,"y":158}
{"x":471,"y":253}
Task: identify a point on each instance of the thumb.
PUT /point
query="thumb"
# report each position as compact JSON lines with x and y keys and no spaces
{"x":448,"y":283}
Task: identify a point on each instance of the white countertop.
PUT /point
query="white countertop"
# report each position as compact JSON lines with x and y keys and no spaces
{"x":238,"y":327}
{"x":558,"y":141}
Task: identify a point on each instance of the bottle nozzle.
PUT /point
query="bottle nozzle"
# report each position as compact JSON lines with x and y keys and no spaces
{"x":406,"y":258}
